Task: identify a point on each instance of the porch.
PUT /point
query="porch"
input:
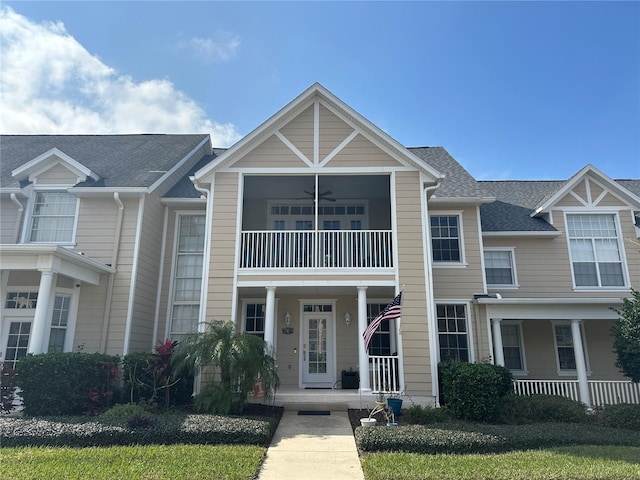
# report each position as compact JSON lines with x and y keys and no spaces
{"x":601,"y":392}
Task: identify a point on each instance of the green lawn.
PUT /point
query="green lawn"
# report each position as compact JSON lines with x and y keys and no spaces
{"x":562,"y":463}
{"x":189,"y":462}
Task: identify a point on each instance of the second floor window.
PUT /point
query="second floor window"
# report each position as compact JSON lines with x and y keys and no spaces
{"x":445,"y":238}
{"x":499,"y":267}
{"x":594,"y":244}
{"x":53,"y":217}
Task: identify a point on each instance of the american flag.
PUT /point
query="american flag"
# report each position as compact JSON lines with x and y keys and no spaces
{"x":391,"y":312}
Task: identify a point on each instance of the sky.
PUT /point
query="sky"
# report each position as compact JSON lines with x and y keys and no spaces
{"x":513,"y":90}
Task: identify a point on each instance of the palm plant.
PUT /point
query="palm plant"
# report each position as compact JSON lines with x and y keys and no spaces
{"x":230,"y":363}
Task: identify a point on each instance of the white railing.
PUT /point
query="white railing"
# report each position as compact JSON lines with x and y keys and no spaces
{"x":608,"y":393}
{"x":603,"y":392}
{"x":316,"y":249}
{"x":564,"y":388}
{"x":384,"y":374}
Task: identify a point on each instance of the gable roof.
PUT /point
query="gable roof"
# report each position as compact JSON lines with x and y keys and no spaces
{"x":297,"y":105}
{"x":118,"y":160}
{"x":517,"y":199}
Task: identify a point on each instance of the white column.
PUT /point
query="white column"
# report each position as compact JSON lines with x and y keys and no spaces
{"x":581,"y":364}
{"x":363,"y":358}
{"x":39,"y":328}
{"x":270,"y":318}
{"x":498,"y":351}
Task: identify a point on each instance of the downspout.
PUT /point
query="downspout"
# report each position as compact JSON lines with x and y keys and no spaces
{"x":431,"y":307}
{"x":163,"y":249}
{"x":16,"y":233}
{"x":112,"y":276}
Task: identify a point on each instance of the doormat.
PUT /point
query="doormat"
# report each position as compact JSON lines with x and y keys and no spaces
{"x":314,"y":412}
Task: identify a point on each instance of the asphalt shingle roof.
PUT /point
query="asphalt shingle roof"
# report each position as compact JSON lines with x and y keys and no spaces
{"x":457,"y":182}
{"x":120,"y":160}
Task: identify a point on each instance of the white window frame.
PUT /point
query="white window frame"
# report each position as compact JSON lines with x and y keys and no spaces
{"x":524,"y":371}
{"x":170,"y":333}
{"x":28,"y":224}
{"x":71,"y":320}
{"x":467,"y":311}
{"x":254,"y":301}
{"x":621,"y":251}
{"x":449,"y":264}
{"x":569,"y":372}
{"x":514,"y":274}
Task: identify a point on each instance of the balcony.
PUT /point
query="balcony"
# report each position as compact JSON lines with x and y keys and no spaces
{"x":326,"y":249}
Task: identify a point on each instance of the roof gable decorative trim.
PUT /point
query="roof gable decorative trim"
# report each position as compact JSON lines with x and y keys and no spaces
{"x":588,"y":173}
{"x":39,"y":164}
{"x":314,"y":94}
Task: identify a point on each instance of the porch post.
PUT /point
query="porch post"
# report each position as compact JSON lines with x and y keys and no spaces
{"x":498,"y":352}
{"x":270,"y":318}
{"x":39,"y":329}
{"x":363,"y":358}
{"x":581,"y":365}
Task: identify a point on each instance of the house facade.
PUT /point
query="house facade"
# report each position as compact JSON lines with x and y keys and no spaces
{"x":302,"y":233}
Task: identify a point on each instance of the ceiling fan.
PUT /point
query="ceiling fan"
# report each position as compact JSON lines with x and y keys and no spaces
{"x":321,"y":196}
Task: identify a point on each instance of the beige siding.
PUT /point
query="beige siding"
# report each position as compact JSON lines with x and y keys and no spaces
{"x":91,"y":308}
{"x":360,"y":152}
{"x":332,"y":132}
{"x":461,"y":282}
{"x":9,"y":232}
{"x":299,"y":132}
{"x":96,"y":227}
{"x":223,"y":235}
{"x":271,"y":153}
{"x":415,"y":341}
{"x":57,"y":175}
{"x":610,"y":200}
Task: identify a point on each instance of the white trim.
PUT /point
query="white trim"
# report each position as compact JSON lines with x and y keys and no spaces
{"x":470,"y":337}
{"x":134,"y":277}
{"x":238,"y":251}
{"x":293,"y":148}
{"x":31,"y":168}
{"x":450,"y":213}
{"x":159,"y":289}
{"x":316,"y":283}
{"x":524,"y":372}
{"x":339,"y":148}
{"x":319,"y":170}
{"x":514,"y":273}
{"x":243,"y":314}
{"x":621,"y":251}
{"x":316,"y":132}
{"x":331,"y":362}
{"x":27,"y":224}
{"x":583,"y":337}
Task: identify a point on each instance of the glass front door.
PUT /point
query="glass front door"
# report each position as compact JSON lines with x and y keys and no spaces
{"x":318,"y":353}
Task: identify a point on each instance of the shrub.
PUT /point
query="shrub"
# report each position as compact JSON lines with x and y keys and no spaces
{"x":623,"y":415}
{"x":426,"y":415}
{"x":67,"y":383}
{"x":161,"y":429}
{"x":519,"y":409}
{"x":474,"y":391}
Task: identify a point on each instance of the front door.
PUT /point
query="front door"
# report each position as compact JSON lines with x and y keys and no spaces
{"x":318,"y":352}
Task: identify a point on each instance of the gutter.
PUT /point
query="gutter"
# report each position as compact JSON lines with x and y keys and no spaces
{"x":16,"y":233}
{"x":112,"y":277}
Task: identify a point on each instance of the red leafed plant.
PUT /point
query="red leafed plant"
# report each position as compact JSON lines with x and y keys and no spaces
{"x":159,"y":366}
{"x":99,"y":398}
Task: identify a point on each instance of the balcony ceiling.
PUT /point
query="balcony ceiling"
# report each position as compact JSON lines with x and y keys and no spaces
{"x":294,"y":187}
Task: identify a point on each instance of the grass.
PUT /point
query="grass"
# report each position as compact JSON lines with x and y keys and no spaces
{"x":562,"y":463}
{"x":240,"y":462}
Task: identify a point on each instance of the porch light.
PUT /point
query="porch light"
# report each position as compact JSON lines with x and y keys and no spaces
{"x":287,"y":319}
{"x":347,"y":319}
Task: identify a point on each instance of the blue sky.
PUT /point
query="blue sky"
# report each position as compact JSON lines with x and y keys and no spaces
{"x":513,"y":90}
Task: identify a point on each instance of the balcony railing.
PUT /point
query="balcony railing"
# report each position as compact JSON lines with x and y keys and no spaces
{"x":316,"y":249}
{"x":603,"y":392}
{"x":385,"y":377}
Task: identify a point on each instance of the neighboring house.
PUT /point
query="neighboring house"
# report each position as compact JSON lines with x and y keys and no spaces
{"x":301,"y":233}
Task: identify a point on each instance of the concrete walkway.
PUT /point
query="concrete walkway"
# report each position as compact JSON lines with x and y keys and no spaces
{"x":312,"y":447}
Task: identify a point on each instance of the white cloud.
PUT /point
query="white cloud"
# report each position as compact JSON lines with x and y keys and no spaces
{"x":49,"y":83}
{"x":209,"y":50}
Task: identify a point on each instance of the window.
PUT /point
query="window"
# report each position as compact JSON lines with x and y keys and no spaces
{"x":381,"y":340}
{"x":53,"y":217}
{"x":18,"y":300}
{"x":59,"y":322}
{"x":445,"y":238}
{"x":499,"y":267}
{"x":564,"y":346}
{"x":512,"y":346}
{"x":187,"y":275}
{"x":452,"y":332}
{"x":254,"y":319}
{"x":17,"y":342}
{"x":594,"y":245}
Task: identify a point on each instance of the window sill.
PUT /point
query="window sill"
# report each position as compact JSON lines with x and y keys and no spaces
{"x":570,"y":373}
{"x":503,"y":287}
{"x":520,"y":373}
{"x":601,"y":289}
{"x":450,"y":265}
